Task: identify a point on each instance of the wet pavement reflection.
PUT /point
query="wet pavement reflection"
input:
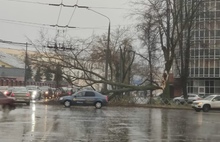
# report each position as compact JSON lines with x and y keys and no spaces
{"x":51,"y":123}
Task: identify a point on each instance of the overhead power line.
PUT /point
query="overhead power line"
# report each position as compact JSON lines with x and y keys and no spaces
{"x":59,"y":13}
{"x":94,"y":7}
{"x":72,"y":13}
{"x":13,"y":42}
{"x":23,"y":1}
{"x":63,"y":26}
{"x":31,"y":23}
{"x":48,"y":25}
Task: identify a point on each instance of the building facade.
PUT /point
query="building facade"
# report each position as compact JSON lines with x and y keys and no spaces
{"x":204,"y":67}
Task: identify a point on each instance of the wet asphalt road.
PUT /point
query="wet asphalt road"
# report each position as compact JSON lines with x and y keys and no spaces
{"x":54,"y":123}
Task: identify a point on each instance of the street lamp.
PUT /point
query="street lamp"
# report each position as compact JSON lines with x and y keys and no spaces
{"x":108,"y":42}
{"x":25,"y":67}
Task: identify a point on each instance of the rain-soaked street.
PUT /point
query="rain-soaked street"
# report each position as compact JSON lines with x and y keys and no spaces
{"x":54,"y":123}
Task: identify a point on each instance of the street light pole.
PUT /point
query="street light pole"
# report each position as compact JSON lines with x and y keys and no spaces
{"x":108,"y":44}
{"x":25,"y":66}
{"x":107,"y":57}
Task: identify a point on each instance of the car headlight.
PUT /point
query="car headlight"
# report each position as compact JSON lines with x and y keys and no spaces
{"x":34,"y":92}
{"x":46,"y":92}
{"x":200,"y":103}
{"x":61,"y":99}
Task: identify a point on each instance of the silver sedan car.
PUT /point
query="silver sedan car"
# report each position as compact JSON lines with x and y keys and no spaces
{"x":85,"y":98}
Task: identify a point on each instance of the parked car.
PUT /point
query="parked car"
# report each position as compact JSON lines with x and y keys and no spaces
{"x":35,"y":92}
{"x":85,"y":98}
{"x":64,"y":91}
{"x":4,"y":90}
{"x":210,"y":102}
{"x":21,"y":94}
{"x":8,"y":91}
{"x":7,"y":102}
{"x":46,"y":92}
{"x":191,"y":98}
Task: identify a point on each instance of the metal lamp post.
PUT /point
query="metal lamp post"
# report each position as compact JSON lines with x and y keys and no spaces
{"x":108,"y":42}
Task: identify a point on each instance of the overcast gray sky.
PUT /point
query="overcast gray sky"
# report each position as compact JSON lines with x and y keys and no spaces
{"x":25,"y":18}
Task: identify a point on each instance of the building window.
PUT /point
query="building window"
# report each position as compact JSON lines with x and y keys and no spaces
{"x":217,"y":32}
{"x":207,"y":90}
{"x":206,"y":71}
{"x":202,"y":34}
{"x":201,"y":71}
{"x":192,"y":70}
{"x":192,"y":53}
{"x":217,"y":52}
{"x":196,"y":71}
{"x":217,"y":5}
{"x":201,"y":52}
{"x":216,"y":70}
{"x":211,"y":70}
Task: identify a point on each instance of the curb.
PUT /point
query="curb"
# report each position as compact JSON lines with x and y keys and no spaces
{"x":52,"y":102}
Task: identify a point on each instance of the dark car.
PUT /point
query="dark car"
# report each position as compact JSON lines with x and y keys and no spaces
{"x":4,"y":90}
{"x":46,"y":92}
{"x":6,"y":102}
{"x":85,"y":98}
{"x":64,"y":91}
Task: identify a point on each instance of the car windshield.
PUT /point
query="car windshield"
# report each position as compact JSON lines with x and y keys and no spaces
{"x":31,"y":87}
{"x":3,"y":87}
{"x":19,"y":89}
{"x":209,"y":97}
{"x":78,"y":93}
{"x":44,"y":88}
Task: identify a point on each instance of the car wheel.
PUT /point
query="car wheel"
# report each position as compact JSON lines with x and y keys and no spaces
{"x":206,"y":108}
{"x":5,"y":107}
{"x":67,"y":104}
{"x":98,"y":105}
{"x":197,"y":110}
{"x":177,"y":102}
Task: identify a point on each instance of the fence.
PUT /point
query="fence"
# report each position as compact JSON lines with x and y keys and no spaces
{"x":6,"y":82}
{"x":139,"y":100}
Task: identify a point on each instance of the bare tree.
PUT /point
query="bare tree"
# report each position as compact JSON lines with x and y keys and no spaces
{"x":82,"y":61}
{"x":189,"y":11}
{"x":148,"y":34}
{"x":166,"y":14}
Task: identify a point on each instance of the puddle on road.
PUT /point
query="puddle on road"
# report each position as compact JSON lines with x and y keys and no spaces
{"x":56,"y":124}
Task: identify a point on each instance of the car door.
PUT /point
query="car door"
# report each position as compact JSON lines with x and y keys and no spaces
{"x":89,"y":98}
{"x":216,"y":102}
{"x":79,"y":98}
{"x":191,"y":97}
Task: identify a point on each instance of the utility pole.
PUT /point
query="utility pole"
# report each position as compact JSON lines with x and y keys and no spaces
{"x":25,"y":66}
{"x":107,"y":58}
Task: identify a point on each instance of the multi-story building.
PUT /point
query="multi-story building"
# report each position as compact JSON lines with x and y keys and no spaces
{"x":204,"y":67}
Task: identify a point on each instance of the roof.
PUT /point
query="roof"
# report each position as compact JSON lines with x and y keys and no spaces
{"x":11,"y":60}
